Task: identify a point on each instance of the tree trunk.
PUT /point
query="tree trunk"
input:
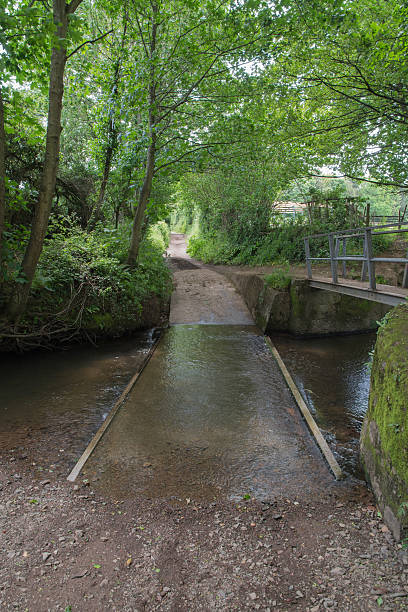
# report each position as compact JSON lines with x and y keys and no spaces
{"x":47,"y":189}
{"x":2,"y":179}
{"x":117,"y":213}
{"x":112,"y":134}
{"x":151,"y":152}
{"x":111,"y":146}
{"x":105,"y":177}
{"x":143,"y":200}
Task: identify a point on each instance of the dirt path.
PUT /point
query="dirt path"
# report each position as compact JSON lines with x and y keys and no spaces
{"x":69,"y":547}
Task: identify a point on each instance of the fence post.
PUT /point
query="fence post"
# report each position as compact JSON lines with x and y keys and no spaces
{"x":307,"y":253}
{"x":405,"y":277}
{"x":368,"y":214}
{"x":344,"y":255}
{"x":364,"y":266}
{"x":333,"y":260}
{"x":369,"y":256}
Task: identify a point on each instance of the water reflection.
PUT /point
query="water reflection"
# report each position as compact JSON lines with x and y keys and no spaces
{"x":334,"y":379}
{"x":209,"y":416}
{"x":66,"y":394}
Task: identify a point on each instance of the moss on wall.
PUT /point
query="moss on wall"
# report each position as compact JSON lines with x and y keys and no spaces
{"x":384,"y":438}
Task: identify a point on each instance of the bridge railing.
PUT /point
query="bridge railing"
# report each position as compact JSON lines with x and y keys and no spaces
{"x":337,"y":243}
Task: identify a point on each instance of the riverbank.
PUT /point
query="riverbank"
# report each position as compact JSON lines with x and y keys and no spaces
{"x":84,"y":292}
{"x":69,"y":546}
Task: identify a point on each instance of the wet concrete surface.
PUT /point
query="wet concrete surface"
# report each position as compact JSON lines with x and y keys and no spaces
{"x":334,"y":378}
{"x":210,"y":417}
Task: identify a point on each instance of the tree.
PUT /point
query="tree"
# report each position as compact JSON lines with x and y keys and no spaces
{"x":62,"y":16}
{"x":111,"y":130}
{"x":187,"y":54}
{"x":18,"y":47}
{"x":2,"y":175}
{"x":61,"y":13}
{"x":345,"y":82}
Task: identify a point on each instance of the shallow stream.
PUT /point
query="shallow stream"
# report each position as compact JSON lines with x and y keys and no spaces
{"x":55,"y":402}
{"x":334,"y":378}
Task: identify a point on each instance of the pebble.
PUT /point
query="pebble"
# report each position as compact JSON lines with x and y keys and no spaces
{"x":46,"y":555}
{"x":80,"y":574}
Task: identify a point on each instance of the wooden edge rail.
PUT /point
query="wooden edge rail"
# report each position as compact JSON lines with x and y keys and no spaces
{"x":328,"y":455}
{"x":97,"y":437}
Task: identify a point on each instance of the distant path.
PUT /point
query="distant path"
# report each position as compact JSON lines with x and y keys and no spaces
{"x":202,"y":295}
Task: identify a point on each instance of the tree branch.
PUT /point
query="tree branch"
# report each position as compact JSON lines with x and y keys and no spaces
{"x":72,"y":6}
{"x":363,"y":180}
{"x":89,"y":42}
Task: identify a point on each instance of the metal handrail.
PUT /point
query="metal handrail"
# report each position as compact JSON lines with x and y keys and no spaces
{"x":361,"y":230}
{"x":337,"y":239}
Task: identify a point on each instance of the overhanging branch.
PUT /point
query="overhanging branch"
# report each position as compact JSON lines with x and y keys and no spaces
{"x":89,"y":42}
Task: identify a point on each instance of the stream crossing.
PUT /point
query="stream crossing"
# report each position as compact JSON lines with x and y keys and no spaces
{"x":211,"y":415}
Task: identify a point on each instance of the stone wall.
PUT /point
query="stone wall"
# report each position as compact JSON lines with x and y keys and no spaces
{"x":384,"y":438}
{"x":305,"y":311}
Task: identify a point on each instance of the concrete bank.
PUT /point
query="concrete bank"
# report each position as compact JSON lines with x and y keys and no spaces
{"x":302,"y":310}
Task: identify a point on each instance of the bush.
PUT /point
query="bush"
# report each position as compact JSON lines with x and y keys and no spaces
{"x":278,"y":279}
{"x":84,"y":277}
{"x":283,"y":242}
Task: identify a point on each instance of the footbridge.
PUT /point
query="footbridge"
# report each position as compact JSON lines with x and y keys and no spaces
{"x":344,"y":247}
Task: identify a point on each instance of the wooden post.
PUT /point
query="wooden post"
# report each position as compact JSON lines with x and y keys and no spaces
{"x":333,"y":260}
{"x":344,"y":266}
{"x":369,"y":257}
{"x":307,"y":253}
{"x":403,"y":214}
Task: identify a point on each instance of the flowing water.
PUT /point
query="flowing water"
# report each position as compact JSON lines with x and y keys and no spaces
{"x":210,"y":416}
{"x":211,"y":413}
{"x":56,"y":401}
{"x":334,"y":378}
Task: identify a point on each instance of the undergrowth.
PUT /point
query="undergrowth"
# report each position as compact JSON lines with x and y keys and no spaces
{"x":278,"y":279}
{"x":283,"y":242}
{"x":83,"y":285}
